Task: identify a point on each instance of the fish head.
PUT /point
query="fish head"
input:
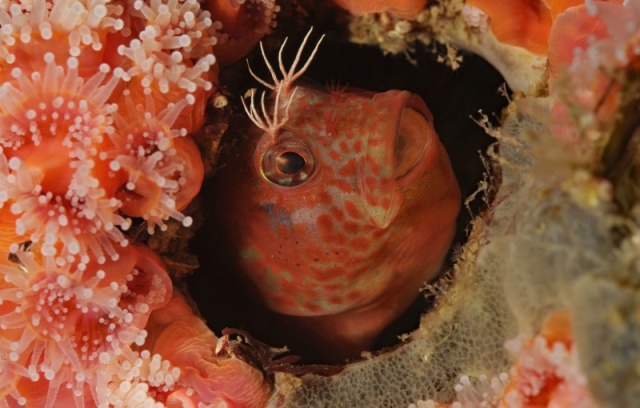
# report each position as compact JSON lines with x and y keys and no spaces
{"x":351,"y":204}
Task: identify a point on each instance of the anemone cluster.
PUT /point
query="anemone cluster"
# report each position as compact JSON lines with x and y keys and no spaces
{"x":98,"y":101}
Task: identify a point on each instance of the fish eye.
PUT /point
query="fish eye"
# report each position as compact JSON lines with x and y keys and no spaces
{"x":289,"y":163}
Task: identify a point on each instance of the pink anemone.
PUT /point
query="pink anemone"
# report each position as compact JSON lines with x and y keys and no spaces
{"x":61,"y":323}
{"x":547,"y":371}
{"x":172,"y":57}
{"x":525,"y":23}
{"x":163,"y":165}
{"x":572,"y":33}
{"x":589,"y":47}
{"x":53,"y":171}
{"x":244,"y":23}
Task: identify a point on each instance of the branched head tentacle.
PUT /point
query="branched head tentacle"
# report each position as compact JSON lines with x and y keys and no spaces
{"x":282,"y":87}
{"x":291,"y":76}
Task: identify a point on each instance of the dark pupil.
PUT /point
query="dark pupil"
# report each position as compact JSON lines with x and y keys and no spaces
{"x":290,"y":162}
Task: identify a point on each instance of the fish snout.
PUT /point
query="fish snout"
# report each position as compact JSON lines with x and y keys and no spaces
{"x":397,"y":153}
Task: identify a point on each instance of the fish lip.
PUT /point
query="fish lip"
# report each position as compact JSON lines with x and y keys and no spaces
{"x":417,"y":169}
{"x":405,"y":122}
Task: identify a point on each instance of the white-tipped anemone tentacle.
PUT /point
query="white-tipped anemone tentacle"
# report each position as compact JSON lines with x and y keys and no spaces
{"x":282,"y":88}
{"x":73,"y":320}
{"x":153,"y":156}
{"x":35,"y":110}
{"x":84,"y":22}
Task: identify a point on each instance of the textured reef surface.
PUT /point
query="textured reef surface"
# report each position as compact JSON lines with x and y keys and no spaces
{"x":128,"y":280}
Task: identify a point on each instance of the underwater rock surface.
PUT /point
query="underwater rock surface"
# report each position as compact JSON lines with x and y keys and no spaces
{"x":554,"y":236}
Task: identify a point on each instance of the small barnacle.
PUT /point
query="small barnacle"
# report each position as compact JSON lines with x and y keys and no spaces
{"x":481,"y":392}
{"x":10,"y":241}
{"x":475,"y":18}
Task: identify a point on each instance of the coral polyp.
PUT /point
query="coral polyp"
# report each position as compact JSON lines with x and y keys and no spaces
{"x":78,"y":28}
{"x":61,"y":323}
{"x":53,"y":169}
{"x":163,"y":165}
{"x":172,"y":58}
{"x":140,"y":379}
{"x":243,"y":23}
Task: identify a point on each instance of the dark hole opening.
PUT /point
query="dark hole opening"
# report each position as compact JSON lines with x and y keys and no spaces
{"x":455,"y":99}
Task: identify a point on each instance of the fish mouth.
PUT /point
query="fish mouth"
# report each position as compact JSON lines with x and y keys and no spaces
{"x":397,"y":155}
{"x":415,"y":131}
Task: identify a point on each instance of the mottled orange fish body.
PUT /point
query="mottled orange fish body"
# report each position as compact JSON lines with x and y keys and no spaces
{"x":350,"y":206}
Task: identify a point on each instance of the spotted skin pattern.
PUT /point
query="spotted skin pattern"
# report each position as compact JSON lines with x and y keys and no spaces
{"x":347,"y":241}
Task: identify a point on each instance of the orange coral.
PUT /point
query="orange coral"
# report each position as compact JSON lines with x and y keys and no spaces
{"x":172,"y":58}
{"x":54,"y":125}
{"x":163,"y":166}
{"x":525,"y":23}
{"x":80,"y":29}
{"x":547,"y":372}
{"x":407,"y":9}
{"x":182,"y":338}
{"x":78,"y":77}
{"x":97,"y":101}
{"x":59,"y":323}
{"x":244,"y":23}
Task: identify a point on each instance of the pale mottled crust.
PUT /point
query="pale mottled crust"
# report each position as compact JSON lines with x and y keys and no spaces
{"x":547,"y":241}
{"x":449,"y":24}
